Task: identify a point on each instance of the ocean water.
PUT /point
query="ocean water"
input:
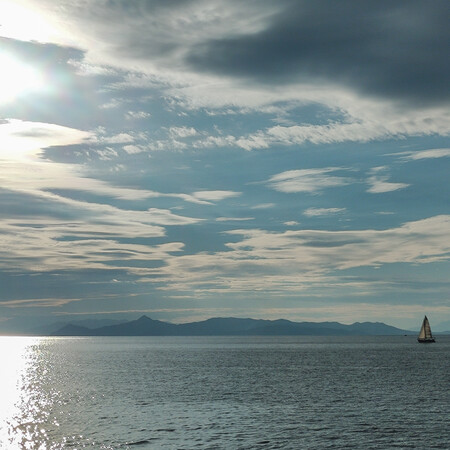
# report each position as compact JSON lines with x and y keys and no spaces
{"x":224,"y":393}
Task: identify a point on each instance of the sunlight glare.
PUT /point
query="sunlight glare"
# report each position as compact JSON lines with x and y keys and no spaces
{"x":16,"y":78}
{"x":23,"y":20}
{"x":14,"y":354}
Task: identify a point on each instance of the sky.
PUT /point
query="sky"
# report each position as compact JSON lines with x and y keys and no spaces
{"x":219,"y":158}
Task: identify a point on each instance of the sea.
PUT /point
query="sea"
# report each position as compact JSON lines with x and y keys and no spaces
{"x":297,"y":392}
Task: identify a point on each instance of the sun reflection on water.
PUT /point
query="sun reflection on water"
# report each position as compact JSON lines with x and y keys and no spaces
{"x":20,"y":393}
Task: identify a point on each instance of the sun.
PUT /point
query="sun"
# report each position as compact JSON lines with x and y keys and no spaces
{"x":16,"y":78}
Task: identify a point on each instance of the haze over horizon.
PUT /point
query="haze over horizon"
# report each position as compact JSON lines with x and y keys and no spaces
{"x":197,"y":159}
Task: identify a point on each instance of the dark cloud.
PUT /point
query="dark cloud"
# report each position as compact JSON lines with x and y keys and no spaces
{"x":143,"y":6}
{"x":39,"y":54}
{"x":143,"y":19}
{"x":394,"y":49}
{"x":24,"y":207}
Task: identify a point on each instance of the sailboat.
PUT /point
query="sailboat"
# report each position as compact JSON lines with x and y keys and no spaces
{"x":425,"y":335}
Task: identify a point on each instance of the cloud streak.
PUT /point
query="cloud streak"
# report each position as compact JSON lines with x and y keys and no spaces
{"x":432,"y":153}
{"x":297,"y":260}
{"x":23,"y":139}
{"x":314,"y":212}
{"x":307,"y":180}
{"x":378,"y":182}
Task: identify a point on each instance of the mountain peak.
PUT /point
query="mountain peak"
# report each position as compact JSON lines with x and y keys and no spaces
{"x":143,"y":318}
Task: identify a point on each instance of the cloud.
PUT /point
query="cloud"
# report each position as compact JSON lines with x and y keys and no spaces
{"x":133,"y":149}
{"x":307,"y":180}
{"x":214,"y":195}
{"x":359,"y":119}
{"x":38,"y":302}
{"x":294,"y":262}
{"x":378,"y":183}
{"x":106,"y":154}
{"x":354,"y":248}
{"x":426,"y":154}
{"x":182,"y":132}
{"x":149,"y":37}
{"x":166,"y":217}
{"x":141,"y":90}
{"x":298,"y":260}
{"x":114,"y":103}
{"x":23,"y":139}
{"x":307,"y":261}
{"x":121,"y":138}
{"x":76,"y":235}
{"x":51,"y":250}
{"x":137,"y":115}
{"x":382,"y":48}
{"x":380,"y":186}
{"x":233,"y":219}
{"x":313,"y":212}
{"x":263,"y":206}
{"x":41,"y":177}
{"x":365,"y":121}
{"x":162,"y":42}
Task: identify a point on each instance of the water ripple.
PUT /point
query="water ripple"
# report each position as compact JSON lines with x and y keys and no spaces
{"x":240,"y":393}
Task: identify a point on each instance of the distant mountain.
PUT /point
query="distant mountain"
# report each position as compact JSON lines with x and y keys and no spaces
{"x":86,"y":323}
{"x":73,"y":330}
{"x":13,"y":327}
{"x":144,"y":326}
{"x":376,"y":328}
{"x":230,"y":326}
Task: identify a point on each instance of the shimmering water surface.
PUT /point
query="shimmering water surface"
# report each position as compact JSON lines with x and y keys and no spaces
{"x":224,"y":392}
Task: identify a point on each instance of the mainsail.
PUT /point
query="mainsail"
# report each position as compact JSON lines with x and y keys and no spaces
{"x":425,"y":332}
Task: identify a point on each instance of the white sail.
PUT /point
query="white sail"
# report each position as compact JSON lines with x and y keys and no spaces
{"x":428,"y":334}
{"x":425,"y":332}
{"x":422,"y":330}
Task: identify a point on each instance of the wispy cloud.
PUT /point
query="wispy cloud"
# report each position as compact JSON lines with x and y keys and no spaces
{"x":307,"y":180}
{"x":133,"y":149}
{"x":426,"y":154}
{"x":24,"y":139}
{"x":297,"y":260}
{"x":42,"y":176}
{"x":137,"y":114}
{"x":291,"y":223}
{"x":38,"y":302}
{"x":214,"y":195}
{"x":263,"y":206}
{"x":22,"y":142}
{"x":121,"y":138}
{"x":362,"y":119}
{"x":313,"y":212}
{"x":182,"y":132}
{"x":90,"y":238}
{"x":378,"y":182}
{"x":233,"y":219}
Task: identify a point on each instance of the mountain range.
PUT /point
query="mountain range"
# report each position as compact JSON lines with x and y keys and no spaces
{"x":230,"y":326}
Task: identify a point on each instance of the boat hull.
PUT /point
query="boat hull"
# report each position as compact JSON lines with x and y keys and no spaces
{"x":426,"y":341}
